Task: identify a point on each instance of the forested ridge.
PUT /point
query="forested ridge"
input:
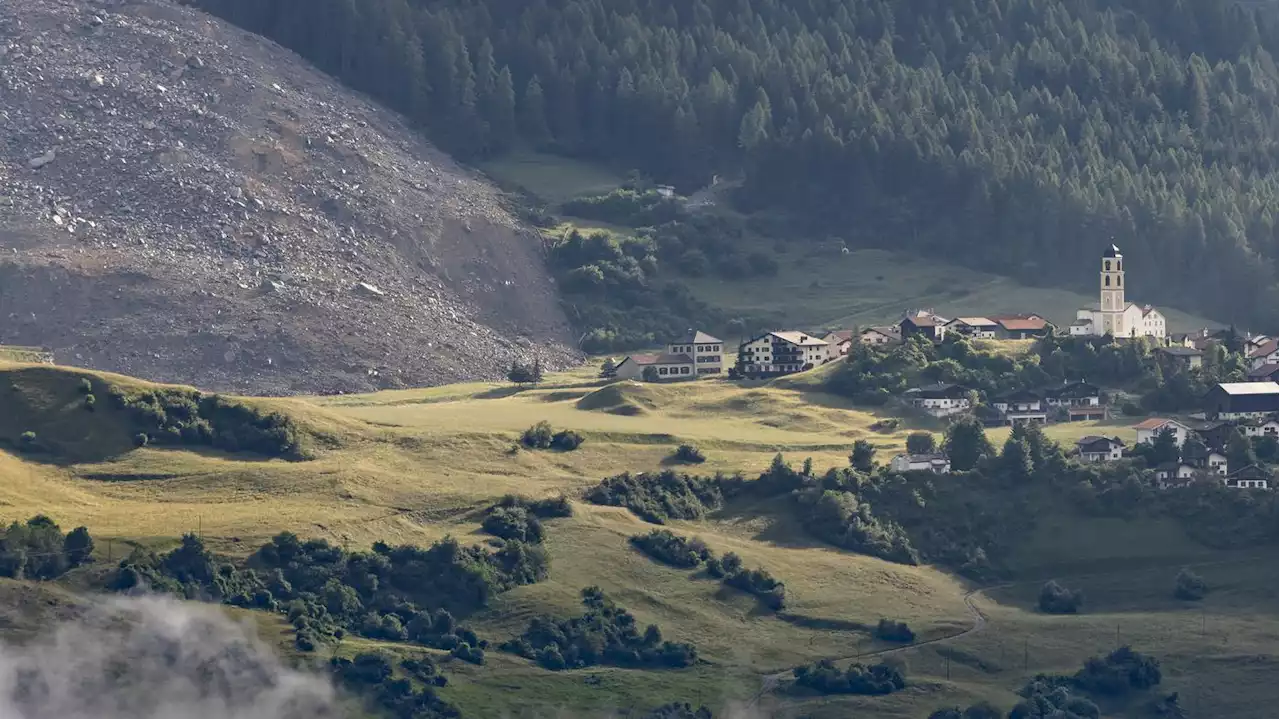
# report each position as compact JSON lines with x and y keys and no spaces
{"x":1008,"y":135}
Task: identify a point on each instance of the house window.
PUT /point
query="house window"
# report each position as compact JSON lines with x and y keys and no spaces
{"x":662,"y":370}
{"x":1107,"y":280}
{"x":684,"y":370}
{"x":1106,"y":265}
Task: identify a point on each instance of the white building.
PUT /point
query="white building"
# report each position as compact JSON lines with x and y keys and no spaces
{"x":782,"y":353}
{"x":1113,"y":316}
{"x":707,"y":351}
{"x":665,"y":366}
{"x":939,"y":400}
{"x":1216,"y":463}
{"x":1149,"y":429}
{"x":1267,"y":353}
{"x":936,"y":463}
{"x":1100,"y":449}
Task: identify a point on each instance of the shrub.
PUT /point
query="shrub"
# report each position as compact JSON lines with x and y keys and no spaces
{"x":538,"y":436}
{"x":140,"y":439}
{"x":825,"y":678}
{"x":669,"y":548}
{"x":676,"y":710}
{"x":86,"y":385}
{"x":1119,"y":672}
{"x":981,"y":710}
{"x":667,"y":495}
{"x":769,"y":591}
{"x":921,"y":443}
{"x":888,"y":425}
{"x":566,"y":440}
{"x":1057,"y":599}
{"x":513,"y":523}
{"x":38,"y":549}
{"x":90,"y":402}
{"x":604,"y":634}
{"x":893,"y":631}
{"x":187,"y":417}
{"x":78,"y":546}
{"x":1189,"y":586}
{"x":689,"y":454}
{"x":544,"y":508}
{"x":467,"y":653}
{"x":28,"y":440}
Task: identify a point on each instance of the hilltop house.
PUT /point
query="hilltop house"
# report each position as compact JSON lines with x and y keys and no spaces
{"x":1083,"y":401}
{"x":666,"y":366}
{"x":1148,"y":430}
{"x":1251,"y":477}
{"x":1100,"y":449}
{"x":880,"y":335}
{"x":707,"y":351}
{"x":1113,"y":316}
{"x":776,"y":353}
{"x":1024,"y":406}
{"x":1265,"y":373}
{"x":976,"y":327}
{"x":1237,"y":400}
{"x":923,"y":322}
{"x":840,"y":341}
{"x":1259,"y":426}
{"x":1180,"y":357}
{"x":936,"y":463}
{"x":939,"y":400}
{"x":1174,"y":473}
{"x":1021,"y":327}
{"x":1266,"y":354}
{"x":1205,"y":460}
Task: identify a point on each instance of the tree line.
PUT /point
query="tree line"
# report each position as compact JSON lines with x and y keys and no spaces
{"x":996,"y":133}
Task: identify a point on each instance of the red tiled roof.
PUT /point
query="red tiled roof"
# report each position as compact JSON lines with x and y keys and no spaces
{"x":1153,"y":423}
{"x":1015,"y":324}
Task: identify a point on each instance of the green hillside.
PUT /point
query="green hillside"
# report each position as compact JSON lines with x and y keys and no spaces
{"x":1006,"y":137}
{"x":414,"y":466}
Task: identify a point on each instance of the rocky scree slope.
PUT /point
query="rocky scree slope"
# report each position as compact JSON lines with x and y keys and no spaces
{"x":186,"y":202}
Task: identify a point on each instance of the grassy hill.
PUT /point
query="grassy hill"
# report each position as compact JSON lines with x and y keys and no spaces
{"x":413,"y":466}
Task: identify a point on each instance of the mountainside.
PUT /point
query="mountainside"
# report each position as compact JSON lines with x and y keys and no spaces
{"x":1007,"y":136}
{"x":184,"y":201}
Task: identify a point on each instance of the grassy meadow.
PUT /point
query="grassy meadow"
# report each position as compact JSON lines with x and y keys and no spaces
{"x":412,"y":466}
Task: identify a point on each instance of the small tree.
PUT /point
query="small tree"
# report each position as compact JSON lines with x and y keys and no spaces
{"x":1057,"y":599}
{"x":893,"y":631}
{"x":966,"y":443}
{"x":863,"y":456}
{"x":535,"y":372}
{"x":28,"y":441}
{"x":689,"y":454}
{"x":1189,"y":586}
{"x":609,"y":368}
{"x":650,"y":374}
{"x":1239,"y":451}
{"x":921,"y":443}
{"x":520,"y":373}
{"x":78,"y":546}
{"x":1164,"y":447}
{"x":566,"y":440}
{"x":538,"y":436}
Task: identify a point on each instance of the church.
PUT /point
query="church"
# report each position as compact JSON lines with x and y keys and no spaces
{"x":1113,"y":316}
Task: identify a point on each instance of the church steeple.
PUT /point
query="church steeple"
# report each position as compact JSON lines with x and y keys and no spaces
{"x":1111,"y":288}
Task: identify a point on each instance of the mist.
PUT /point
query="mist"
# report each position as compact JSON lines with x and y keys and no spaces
{"x":155,"y":658}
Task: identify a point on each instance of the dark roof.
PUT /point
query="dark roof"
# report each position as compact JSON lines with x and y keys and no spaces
{"x":1094,"y":443}
{"x":1191,"y":451}
{"x":933,"y":457}
{"x":1181,"y":351}
{"x":1022,"y":395}
{"x":941,"y":390}
{"x":1021,"y":324}
{"x":1265,"y":371}
{"x":693,"y":337}
{"x":1112,"y":251}
{"x":1075,"y":389}
{"x":1252,"y":471}
{"x":920,"y":321}
{"x":837,"y":336}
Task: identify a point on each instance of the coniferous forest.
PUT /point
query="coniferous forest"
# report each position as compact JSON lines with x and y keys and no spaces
{"x":1016,"y":136}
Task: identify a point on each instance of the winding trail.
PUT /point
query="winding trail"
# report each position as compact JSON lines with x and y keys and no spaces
{"x":771,"y":680}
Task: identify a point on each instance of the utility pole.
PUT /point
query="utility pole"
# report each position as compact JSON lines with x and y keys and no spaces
{"x":948,"y":665}
{"x":1117,"y":635}
{"x":108,"y":550}
{"x":1025,"y":654}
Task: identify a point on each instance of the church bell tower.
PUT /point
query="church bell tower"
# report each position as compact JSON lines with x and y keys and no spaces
{"x":1111,"y":287}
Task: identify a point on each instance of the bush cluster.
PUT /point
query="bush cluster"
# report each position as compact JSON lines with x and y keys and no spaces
{"x":187,"y":417}
{"x":1118,"y":673}
{"x":894,"y":631}
{"x":825,"y":678}
{"x":665,"y":495}
{"x":669,"y":548}
{"x":37,"y":549}
{"x":1057,"y":599}
{"x":372,"y":675}
{"x":400,"y":593}
{"x":543,"y":436}
{"x":679,"y":710}
{"x":604,"y":634}
{"x":626,"y":207}
{"x":518,"y":518}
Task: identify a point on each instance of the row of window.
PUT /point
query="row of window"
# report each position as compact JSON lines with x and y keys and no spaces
{"x":673,"y":370}
{"x":708,"y":358}
{"x":1106,"y":265}
{"x":684,"y":349}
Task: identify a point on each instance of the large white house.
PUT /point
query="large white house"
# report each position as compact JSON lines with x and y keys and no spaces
{"x":1148,"y":430}
{"x":707,"y":351}
{"x":1113,"y":316}
{"x":782,"y":353}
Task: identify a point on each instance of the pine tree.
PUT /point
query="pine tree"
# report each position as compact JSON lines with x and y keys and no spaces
{"x":533,"y":114}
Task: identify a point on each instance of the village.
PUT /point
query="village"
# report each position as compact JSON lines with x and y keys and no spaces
{"x":1200,"y":441}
